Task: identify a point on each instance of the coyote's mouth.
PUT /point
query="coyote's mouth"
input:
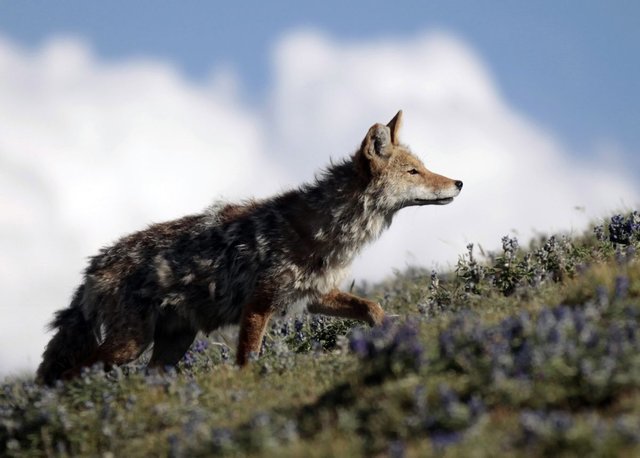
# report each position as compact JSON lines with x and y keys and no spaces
{"x":443,"y":201}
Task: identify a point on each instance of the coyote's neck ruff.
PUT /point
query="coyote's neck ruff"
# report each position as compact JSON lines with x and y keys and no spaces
{"x":342,"y":212}
{"x":239,"y":263}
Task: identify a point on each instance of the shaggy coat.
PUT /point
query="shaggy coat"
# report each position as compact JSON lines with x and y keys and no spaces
{"x":240,"y":263}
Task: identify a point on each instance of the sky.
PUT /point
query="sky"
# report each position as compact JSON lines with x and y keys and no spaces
{"x":115,"y":115}
{"x":570,"y":65}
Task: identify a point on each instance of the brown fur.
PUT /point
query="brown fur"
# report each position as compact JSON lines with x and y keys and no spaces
{"x":253,"y":324}
{"x":346,"y":305}
{"x":240,"y":263}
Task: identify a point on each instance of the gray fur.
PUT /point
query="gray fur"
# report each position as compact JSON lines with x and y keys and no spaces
{"x":165,"y":283}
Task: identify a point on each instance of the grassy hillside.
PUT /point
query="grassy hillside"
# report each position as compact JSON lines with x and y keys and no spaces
{"x":526,"y":351}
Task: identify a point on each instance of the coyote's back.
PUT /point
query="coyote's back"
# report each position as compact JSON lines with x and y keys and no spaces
{"x":240,"y":263}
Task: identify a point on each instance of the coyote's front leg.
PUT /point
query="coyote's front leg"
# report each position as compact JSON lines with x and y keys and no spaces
{"x":253,"y":324}
{"x":345,"y":305}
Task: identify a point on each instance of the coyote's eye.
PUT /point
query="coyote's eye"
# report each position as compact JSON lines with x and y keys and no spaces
{"x":414,"y":171}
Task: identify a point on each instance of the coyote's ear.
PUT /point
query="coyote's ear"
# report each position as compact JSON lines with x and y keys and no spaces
{"x":376,"y":143}
{"x":394,"y":127}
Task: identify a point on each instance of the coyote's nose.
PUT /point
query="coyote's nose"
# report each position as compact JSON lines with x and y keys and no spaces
{"x":459,"y":184}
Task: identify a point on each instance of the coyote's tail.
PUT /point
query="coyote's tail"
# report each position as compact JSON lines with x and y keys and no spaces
{"x":72,"y":345}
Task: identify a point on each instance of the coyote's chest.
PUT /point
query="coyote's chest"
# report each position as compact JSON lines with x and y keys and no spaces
{"x":324,"y":281}
{"x":334,"y":264}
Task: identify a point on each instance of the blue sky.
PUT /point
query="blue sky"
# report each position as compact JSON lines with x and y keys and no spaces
{"x":572,"y":66}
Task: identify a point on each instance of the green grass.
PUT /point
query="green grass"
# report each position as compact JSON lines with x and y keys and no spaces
{"x":529,"y":351}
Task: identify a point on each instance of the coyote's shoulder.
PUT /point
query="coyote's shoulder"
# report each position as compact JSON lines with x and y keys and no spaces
{"x":241,"y":262}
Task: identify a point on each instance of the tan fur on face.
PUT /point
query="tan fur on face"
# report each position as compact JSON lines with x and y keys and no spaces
{"x":401,"y":176}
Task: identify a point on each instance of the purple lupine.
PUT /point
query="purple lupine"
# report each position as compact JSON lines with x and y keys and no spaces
{"x":200,"y":346}
{"x":621,"y":287}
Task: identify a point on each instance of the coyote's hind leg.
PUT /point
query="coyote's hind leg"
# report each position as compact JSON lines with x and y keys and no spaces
{"x":171,"y":339}
{"x":122,"y":344}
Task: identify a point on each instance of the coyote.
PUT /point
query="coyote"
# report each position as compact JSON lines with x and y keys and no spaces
{"x":240,"y":263}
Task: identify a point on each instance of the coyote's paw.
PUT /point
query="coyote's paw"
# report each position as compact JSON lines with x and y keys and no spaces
{"x":375,"y":314}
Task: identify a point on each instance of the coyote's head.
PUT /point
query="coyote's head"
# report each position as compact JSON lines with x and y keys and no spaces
{"x":398,"y":178}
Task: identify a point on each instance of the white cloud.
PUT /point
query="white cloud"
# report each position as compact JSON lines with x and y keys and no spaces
{"x":89,"y":151}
